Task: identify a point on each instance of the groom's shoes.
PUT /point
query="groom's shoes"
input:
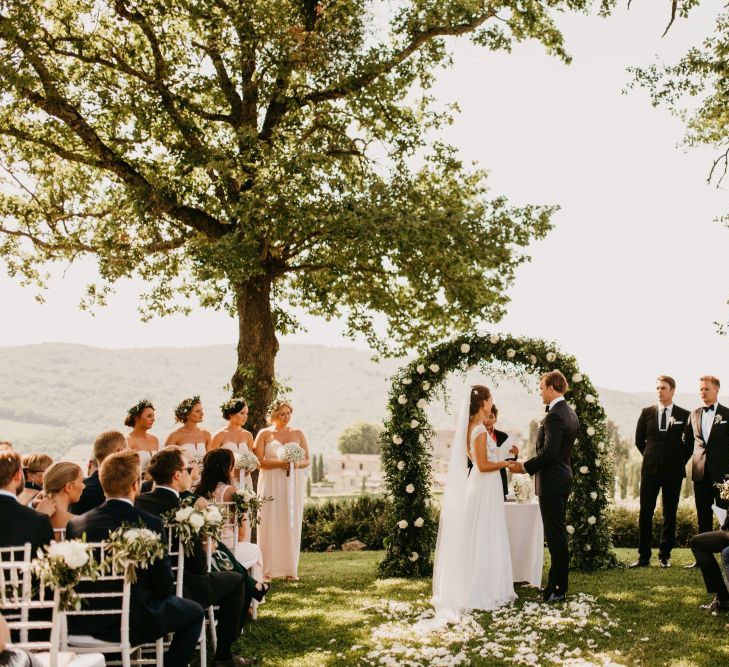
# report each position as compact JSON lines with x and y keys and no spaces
{"x":555,"y":597}
{"x":716,"y":605}
{"x":640,"y":563}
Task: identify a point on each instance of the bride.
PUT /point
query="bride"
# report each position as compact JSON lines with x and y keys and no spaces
{"x":472,"y":556}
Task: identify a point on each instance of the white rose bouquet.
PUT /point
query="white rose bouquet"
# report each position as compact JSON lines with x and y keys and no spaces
{"x":522,"y":490}
{"x":132,"y":547}
{"x":61,"y":565}
{"x":213,"y":526}
{"x":723,"y":489}
{"x":187,"y":522}
{"x":248,"y":504}
{"x":247,"y":461}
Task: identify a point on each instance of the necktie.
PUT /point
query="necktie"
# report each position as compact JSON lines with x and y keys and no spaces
{"x":708,"y":408}
{"x":663,"y":419}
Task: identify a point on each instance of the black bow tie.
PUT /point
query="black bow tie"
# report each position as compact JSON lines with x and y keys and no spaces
{"x":708,"y":408}
{"x":546,"y":408}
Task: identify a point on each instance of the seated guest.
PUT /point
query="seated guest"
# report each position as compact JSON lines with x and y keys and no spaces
{"x":34,"y":466}
{"x":20,"y":524}
{"x":171,"y":476}
{"x":13,"y":657}
{"x":107,"y":443}
{"x":64,"y":484}
{"x":154,"y":611}
{"x":704,"y":546}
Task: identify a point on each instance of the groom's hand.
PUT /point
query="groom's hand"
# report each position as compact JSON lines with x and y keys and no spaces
{"x":517,"y":467}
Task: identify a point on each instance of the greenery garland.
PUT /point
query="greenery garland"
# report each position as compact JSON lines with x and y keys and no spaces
{"x":406,"y":452}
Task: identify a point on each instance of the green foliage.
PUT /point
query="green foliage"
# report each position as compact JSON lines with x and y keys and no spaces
{"x":409,"y":549}
{"x":334,"y":523}
{"x":360,"y":438}
{"x":623,"y":523}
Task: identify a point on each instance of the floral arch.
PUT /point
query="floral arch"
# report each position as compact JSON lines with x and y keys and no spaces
{"x":406,"y":452}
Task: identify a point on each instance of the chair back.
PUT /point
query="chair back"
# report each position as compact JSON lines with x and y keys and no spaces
{"x":230,"y":523}
{"x":23,"y":611}
{"x":176,"y":552}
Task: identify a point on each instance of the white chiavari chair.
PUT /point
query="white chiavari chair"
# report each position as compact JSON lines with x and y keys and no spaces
{"x":116,"y":601}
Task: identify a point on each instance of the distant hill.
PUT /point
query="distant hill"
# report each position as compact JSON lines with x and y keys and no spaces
{"x":55,"y":397}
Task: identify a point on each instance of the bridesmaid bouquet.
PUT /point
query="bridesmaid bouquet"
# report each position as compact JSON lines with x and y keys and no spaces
{"x":247,"y":461}
{"x":723,"y":490}
{"x":248,"y":504}
{"x":133,"y":547}
{"x":61,"y":566}
{"x":291,"y":453}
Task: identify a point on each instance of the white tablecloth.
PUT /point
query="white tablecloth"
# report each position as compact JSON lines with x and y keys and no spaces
{"x":526,"y":539}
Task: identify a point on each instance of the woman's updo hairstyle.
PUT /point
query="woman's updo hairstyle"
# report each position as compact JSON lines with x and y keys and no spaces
{"x":60,"y":474}
{"x":232,"y":407}
{"x":183,"y":410}
{"x":479,"y":394}
{"x":276,"y":407}
{"x":135,"y":411}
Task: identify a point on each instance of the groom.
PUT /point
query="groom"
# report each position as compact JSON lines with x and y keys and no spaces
{"x":553,"y":477}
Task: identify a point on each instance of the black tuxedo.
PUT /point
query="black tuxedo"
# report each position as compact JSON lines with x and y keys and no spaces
{"x":710,"y":463}
{"x":501,"y":438}
{"x":154,"y":611}
{"x":553,"y":482}
{"x":665,"y":453}
{"x":20,"y":524}
{"x":226,"y":589}
{"x":92,"y":496}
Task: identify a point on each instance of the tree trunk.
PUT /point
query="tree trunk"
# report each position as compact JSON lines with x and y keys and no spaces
{"x":257,"y":348}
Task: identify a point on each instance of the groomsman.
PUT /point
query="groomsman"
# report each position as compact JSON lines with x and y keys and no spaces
{"x":709,"y":425}
{"x":659,"y":436}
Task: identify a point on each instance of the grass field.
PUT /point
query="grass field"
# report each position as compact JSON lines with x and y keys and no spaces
{"x":627,"y":617}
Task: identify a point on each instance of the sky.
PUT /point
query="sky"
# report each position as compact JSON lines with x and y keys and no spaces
{"x":634,"y":274}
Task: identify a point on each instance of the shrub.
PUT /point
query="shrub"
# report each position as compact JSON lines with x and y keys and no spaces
{"x":623,"y":522}
{"x":337,"y":522}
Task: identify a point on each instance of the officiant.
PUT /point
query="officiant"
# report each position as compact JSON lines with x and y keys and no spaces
{"x":506,"y":450}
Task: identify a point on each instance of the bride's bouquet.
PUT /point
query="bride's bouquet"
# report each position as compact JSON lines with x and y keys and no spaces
{"x":291,"y":453}
{"x":132,"y":547}
{"x":247,"y":461}
{"x":248,"y":504}
{"x":61,"y":566}
{"x":522,"y":490}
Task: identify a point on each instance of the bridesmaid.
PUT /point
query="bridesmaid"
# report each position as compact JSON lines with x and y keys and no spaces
{"x":140,"y":418}
{"x":194,"y":440}
{"x":63,"y":483}
{"x":279,"y":542}
{"x":35,"y":466}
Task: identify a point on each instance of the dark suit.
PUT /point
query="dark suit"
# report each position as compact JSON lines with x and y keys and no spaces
{"x":20,"y":524}
{"x":704,"y":546}
{"x":553,"y":483}
{"x":154,"y":611}
{"x":665,"y":453}
{"x":92,"y":496}
{"x":710,"y":463}
{"x":226,"y":589}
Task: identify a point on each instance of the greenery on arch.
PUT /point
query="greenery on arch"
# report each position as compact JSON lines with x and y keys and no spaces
{"x":406,"y":454}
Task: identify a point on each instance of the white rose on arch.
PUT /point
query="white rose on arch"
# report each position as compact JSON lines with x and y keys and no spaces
{"x":591,"y":520}
{"x":465,"y":348}
{"x":414,"y":556}
{"x":494,"y":339}
{"x":418,"y":523}
{"x":590,"y":431}
{"x":397,"y":439}
{"x":590,"y":398}
{"x":426,"y":386}
{"x":584,"y":470}
{"x":402,"y":399}
{"x":570,"y":530}
{"x":409,"y":488}
{"x":576,"y":377}
{"x":532,"y":359}
{"x":414,"y":423}
{"x":511,"y":353}
{"x":407,"y":381}
{"x":593,"y":495}
{"x":434,"y":368}
{"x":402,"y":524}
{"x":420,"y":369}
{"x":401,"y":465}
{"x":422,"y":403}
{"x":551,"y":356}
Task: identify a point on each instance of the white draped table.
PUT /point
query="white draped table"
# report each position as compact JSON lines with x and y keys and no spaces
{"x":526,"y":539}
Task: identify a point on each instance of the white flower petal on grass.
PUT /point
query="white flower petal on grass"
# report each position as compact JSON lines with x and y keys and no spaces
{"x":465,"y":348}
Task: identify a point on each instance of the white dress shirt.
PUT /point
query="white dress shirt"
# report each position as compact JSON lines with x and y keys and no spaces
{"x":669,"y":410}
{"x":555,"y":401}
{"x":707,"y":421}
{"x":10,"y":495}
{"x":169,"y":488}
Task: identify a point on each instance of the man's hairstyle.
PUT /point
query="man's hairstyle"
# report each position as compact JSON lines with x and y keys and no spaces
{"x":34,"y":463}
{"x":163,"y":465}
{"x":557,"y":381}
{"x":494,"y":411}
{"x":711,"y":378}
{"x":108,"y":443}
{"x":118,"y":473}
{"x":668,"y":380}
{"x":10,"y":463}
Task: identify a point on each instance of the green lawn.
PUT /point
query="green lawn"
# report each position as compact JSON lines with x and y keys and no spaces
{"x":637,"y":617}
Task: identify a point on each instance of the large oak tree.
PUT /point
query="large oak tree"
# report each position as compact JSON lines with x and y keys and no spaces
{"x":260,"y":155}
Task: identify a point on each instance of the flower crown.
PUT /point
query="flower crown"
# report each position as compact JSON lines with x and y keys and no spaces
{"x":231,"y":404}
{"x":137,"y":409}
{"x":183,"y":410}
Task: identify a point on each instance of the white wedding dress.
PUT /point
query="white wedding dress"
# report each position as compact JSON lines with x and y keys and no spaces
{"x":472,"y":567}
